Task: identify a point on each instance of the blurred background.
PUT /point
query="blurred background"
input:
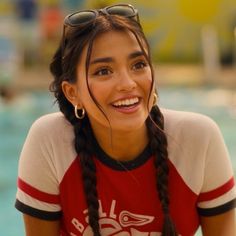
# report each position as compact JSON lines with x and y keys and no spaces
{"x":193,"y":47}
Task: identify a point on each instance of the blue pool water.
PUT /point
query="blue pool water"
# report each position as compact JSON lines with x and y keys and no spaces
{"x":15,"y":121}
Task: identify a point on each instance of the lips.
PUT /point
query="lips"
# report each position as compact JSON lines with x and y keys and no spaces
{"x":127,"y":102}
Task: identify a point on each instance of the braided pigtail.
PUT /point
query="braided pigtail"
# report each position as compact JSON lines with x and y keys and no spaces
{"x":83,"y":137}
{"x":158,"y":143}
{"x":83,"y":146}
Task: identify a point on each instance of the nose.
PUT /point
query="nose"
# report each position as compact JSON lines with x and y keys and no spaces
{"x":126,"y":82}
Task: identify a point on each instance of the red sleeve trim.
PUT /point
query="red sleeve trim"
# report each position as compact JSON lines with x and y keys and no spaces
{"x":37,"y":194}
{"x":207,"y":196}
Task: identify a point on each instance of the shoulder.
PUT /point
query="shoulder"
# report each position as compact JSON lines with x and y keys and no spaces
{"x":52,"y":126}
{"x":189,"y":123}
{"x":49,"y":140}
{"x":195,"y":143}
{"x":50,"y":120}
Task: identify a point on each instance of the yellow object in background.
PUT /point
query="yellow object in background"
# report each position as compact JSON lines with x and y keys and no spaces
{"x":174,"y":27}
{"x":199,"y":11}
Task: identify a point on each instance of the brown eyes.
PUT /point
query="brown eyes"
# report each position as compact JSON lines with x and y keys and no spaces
{"x":139,"y":65}
{"x":105,"y":71}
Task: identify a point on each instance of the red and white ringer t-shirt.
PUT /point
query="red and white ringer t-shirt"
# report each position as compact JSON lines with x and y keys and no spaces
{"x":201,"y":179}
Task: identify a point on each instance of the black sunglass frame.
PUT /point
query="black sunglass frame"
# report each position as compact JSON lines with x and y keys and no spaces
{"x":105,"y":11}
{"x":96,"y":12}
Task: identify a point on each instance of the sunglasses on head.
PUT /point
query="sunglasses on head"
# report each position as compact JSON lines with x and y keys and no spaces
{"x":84,"y":17}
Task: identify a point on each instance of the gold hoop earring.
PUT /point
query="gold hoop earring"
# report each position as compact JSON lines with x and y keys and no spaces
{"x":155,"y":98}
{"x":82,"y":113}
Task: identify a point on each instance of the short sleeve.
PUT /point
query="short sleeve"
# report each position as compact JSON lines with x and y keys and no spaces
{"x":38,"y":186}
{"x":218,"y":190}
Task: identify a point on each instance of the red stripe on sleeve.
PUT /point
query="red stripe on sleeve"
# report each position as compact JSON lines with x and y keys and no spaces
{"x":207,"y":196}
{"x":37,"y":194}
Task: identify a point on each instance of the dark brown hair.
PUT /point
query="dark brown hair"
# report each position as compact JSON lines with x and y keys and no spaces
{"x":63,"y":67}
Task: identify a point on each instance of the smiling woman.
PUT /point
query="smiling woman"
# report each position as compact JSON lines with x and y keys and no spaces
{"x":112,"y":162}
{"x":120,"y":82}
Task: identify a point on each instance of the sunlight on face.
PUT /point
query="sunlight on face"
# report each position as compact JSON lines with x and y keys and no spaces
{"x":119,"y":78}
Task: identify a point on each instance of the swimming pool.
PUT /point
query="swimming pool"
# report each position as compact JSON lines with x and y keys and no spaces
{"x":16,"y":119}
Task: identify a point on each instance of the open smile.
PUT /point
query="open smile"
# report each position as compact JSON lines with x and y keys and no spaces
{"x":128,"y":102}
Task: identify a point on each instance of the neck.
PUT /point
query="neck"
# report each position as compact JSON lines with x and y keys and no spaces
{"x":122,"y":146}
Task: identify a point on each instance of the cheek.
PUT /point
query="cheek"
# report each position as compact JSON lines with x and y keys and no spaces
{"x":98,"y":93}
{"x":147,"y":75}
{"x":102,"y":90}
{"x":146,"y":83}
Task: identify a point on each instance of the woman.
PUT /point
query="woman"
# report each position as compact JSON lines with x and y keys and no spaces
{"x":102,"y":165}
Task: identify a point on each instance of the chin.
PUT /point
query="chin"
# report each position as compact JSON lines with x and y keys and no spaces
{"x":128,"y":126}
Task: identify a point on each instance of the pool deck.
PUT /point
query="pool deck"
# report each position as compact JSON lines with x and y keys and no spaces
{"x":166,"y":75}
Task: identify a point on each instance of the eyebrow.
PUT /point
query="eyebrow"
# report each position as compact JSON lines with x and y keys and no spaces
{"x":136,"y":54}
{"x":102,"y":59}
{"x":110,"y":59}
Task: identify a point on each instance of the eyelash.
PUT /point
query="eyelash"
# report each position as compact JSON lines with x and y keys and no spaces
{"x":143,"y":63}
{"x":100,"y":70}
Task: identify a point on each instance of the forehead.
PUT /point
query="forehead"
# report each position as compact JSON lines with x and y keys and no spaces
{"x":113,"y":44}
{"x":115,"y":41}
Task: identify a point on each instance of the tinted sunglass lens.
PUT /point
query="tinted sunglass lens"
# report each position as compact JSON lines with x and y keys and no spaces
{"x":81,"y":17}
{"x":126,"y":11}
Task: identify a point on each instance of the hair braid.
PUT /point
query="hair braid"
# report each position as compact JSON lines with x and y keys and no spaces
{"x":83,"y":146}
{"x":158,"y":142}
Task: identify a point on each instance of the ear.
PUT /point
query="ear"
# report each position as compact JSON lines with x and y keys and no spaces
{"x":70,"y":91}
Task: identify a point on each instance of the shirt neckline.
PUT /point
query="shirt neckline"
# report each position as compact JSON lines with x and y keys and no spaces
{"x":107,"y":160}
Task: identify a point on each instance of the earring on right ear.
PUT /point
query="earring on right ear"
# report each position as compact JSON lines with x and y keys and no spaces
{"x":155,"y":99}
{"x":82,"y":111}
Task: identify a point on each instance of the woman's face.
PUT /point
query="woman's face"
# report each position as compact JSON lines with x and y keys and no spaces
{"x":119,"y":77}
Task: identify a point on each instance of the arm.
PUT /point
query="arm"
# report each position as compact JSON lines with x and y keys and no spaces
{"x":216,"y":202}
{"x":38,"y":184}
{"x":219,"y":225}
{"x":38,"y":227}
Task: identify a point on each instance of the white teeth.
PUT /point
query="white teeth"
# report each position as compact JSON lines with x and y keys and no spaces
{"x":126,"y":102}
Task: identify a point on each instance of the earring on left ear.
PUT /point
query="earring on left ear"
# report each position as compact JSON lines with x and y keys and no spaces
{"x":155,"y":99}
